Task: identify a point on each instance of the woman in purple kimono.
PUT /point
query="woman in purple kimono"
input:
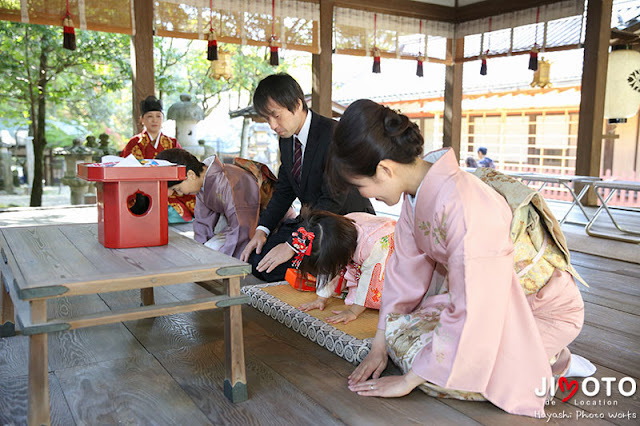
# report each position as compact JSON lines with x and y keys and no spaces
{"x":227,"y":200}
{"x":455,"y":316}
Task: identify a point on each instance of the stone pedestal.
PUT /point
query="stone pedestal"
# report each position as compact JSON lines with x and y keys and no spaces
{"x":74,"y":155}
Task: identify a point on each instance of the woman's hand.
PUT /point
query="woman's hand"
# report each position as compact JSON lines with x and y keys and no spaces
{"x":276,"y":257}
{"x":319,"y":303}
{"x":374,"y":363}
{"x":347,"y":315}
{"x":389,"y":386}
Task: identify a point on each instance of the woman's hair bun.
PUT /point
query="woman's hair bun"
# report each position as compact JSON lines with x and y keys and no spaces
{"x":395,"y":124}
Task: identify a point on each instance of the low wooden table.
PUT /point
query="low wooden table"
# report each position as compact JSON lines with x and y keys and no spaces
{"x":44,"y":262}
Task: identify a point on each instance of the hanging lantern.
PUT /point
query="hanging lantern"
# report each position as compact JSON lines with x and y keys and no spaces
{"x":222,"y":68}
{"x":420,"y":68}
{"x":622,"y":95}
{"x":542,"y":76}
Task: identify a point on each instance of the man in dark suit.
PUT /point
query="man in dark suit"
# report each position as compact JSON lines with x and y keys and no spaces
{"x":304,"y":141}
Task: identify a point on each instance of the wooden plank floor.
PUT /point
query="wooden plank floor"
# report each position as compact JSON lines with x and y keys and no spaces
{"x":169,"y":370}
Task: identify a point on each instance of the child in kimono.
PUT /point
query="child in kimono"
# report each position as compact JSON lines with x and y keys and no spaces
{"x":151,"y":142}
{"x":227,"y":200}
{"x":348,"y":254}
{"x":455,"y":315}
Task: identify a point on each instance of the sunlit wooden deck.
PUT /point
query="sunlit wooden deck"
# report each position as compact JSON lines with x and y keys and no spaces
{"x":168,"y":370}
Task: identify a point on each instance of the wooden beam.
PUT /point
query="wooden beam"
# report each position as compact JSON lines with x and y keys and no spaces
{"x":594,"y":78}
{"x":409,"y":8}
{"x":321,"y":65}
{"x":142,"y":58}
{"x":488,"y":8}
{"x":452,"y":125}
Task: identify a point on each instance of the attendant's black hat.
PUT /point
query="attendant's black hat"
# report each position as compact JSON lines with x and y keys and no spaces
{"x":150,"y":104}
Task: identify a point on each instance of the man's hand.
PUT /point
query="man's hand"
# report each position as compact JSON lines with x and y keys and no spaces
{"x":256,"y":243}
{"x":276,"y":256}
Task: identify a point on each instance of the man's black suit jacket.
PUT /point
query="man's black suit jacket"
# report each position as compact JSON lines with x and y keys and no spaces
{"x":313,"y":190}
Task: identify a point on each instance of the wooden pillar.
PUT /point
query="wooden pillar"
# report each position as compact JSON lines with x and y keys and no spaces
{"x":321,"y":64}
{"x":594,"y":78}
{"x":142,"y":57}
{"x":452,"y":125}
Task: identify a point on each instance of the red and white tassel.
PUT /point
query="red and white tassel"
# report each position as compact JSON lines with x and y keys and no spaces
{"x":533,"y":58}
{"x":69,"y":33}
{"x":376,"y":60}
{"x":212,"y":46}
{"x":420,"y":68}
{"x":274,"y":60}
{"x":483,"y":67}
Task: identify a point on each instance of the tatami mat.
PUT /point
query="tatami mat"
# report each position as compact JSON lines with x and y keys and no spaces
{"x":280,"y":301}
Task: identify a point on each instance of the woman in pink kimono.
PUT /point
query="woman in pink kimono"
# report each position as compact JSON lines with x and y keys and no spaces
{"x":350,"y":253}
{"x":454,"y":314}
{"x":227,"y":200}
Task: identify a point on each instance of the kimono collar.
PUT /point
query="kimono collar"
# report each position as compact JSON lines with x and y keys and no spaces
{"x":211,"y":161}
{"x":444,"y":165}
{"x":157,"y":140}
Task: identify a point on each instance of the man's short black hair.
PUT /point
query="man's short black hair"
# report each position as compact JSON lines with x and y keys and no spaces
{"x":284,"y":91}
{"x":483,"y":150}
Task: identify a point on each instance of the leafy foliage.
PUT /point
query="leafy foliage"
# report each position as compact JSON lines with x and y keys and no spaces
{"x":36,"y":72}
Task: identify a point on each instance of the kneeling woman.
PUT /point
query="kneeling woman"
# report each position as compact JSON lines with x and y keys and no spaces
{"x":227,"y":200}
{"x":456,"y":314}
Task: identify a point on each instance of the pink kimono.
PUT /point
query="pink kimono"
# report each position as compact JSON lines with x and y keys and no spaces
{"x":363,"y":277}
{"x":232,"y":193}
{"x":452,"y":297}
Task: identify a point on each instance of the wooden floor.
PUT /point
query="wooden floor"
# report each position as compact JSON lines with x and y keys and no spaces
{"x":170,"y":370}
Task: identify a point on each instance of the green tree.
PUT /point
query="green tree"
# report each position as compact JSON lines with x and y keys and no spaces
{"x":37,"y":72}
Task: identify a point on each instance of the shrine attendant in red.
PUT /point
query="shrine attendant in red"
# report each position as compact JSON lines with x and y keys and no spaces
{"x":152,"y":141}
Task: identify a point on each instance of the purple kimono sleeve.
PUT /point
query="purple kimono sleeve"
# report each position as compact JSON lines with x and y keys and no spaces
{"x":204,"y":222}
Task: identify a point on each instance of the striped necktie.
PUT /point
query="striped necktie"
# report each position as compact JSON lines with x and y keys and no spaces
{"x":296,"y":169}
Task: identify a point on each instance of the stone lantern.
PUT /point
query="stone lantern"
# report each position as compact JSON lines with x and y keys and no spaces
{"x":104,"y":146}
{"x":74,"y":155}
{"x":187,"y":115}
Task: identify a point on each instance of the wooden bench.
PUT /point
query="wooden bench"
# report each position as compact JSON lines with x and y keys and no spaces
{"x":613,"y":186}
{"x":45,"y":262}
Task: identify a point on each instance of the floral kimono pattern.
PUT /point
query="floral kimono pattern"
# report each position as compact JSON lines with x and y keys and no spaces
{"x":362,"y":279}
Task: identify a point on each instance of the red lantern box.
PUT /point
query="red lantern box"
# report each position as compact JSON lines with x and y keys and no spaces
{"x":132,"y":203}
